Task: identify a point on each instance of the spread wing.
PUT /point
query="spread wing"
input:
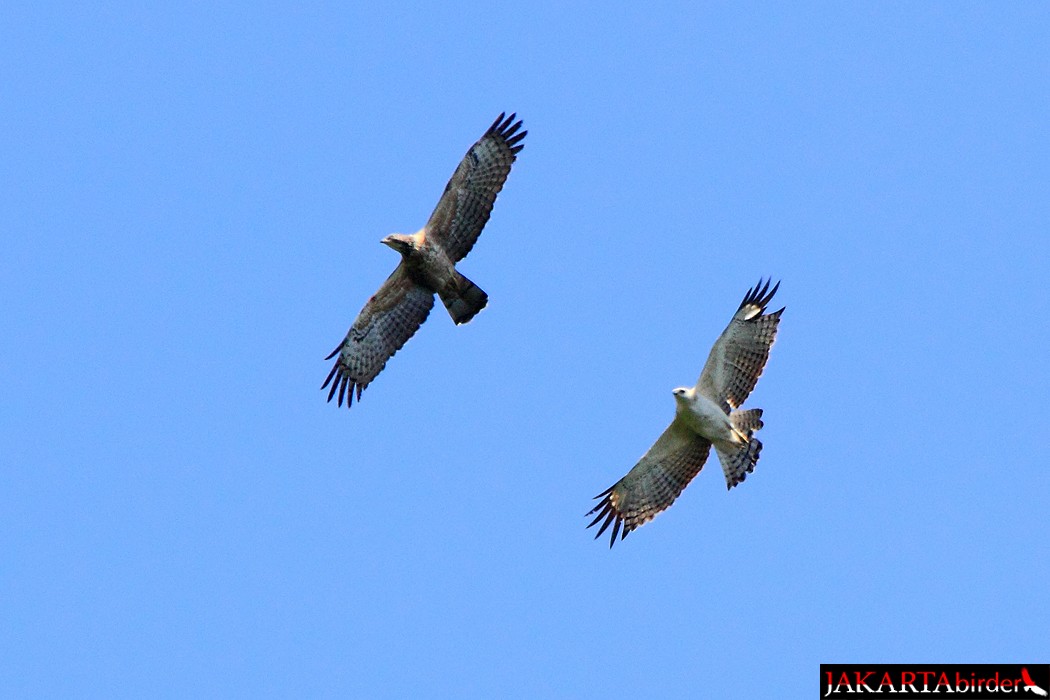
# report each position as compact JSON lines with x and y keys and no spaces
{"x":389,"y":319}
{"x":651,"y":487}
{"x":465,"y":206}
{"x":739,"y":356}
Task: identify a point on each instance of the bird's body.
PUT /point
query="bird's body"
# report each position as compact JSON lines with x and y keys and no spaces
{"x":425,"y":263}
{"x":428,"y":265}
{"x":706,"y":415}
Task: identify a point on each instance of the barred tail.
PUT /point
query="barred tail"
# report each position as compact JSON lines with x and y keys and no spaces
{"x":739,"y":460}
{"x":747,"y":421}
{"x":463,"y":299}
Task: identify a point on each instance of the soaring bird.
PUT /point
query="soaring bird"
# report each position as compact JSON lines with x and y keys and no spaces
{"x":706,"y":414}
{"x":427,"y":267}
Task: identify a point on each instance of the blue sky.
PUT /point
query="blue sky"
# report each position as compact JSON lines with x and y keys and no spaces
{"x":192,"y":204}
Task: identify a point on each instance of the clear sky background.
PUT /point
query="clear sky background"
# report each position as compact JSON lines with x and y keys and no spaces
{"x":191,"y":205}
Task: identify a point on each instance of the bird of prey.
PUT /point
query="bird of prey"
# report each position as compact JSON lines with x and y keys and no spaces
{"x":428,"y":259}
{"x":705,"y":414}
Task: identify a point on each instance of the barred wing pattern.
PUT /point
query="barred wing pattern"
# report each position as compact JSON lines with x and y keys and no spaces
{"x":654,"y":483}
{"x":389,"y":319}
{"x":740,"y":354}
{"x":464,"y":208}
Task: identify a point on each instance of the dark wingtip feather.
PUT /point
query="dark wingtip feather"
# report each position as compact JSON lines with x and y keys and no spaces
{"x":335,"y":368}
{"x":608,"y":521}
{"x":769,"y":297}
{"x":496,"y":123}
{"x":600,"y":515}
{"x":506,"y":128}
{"x":760,"y":295}
{"x":615,"y":532}
{"x":608,"y":513}
{"x":749,"y":294}
{"x":760,"y":291}
{"x":342,"y":381}
{"x":604,"y":505}
{"x":332,"y":374}
{"x":336,"y":351}
{"x":342,"y":389}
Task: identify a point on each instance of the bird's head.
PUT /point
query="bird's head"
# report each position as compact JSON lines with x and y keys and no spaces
{"x":681,"y":394}
{"x":399,"y":242}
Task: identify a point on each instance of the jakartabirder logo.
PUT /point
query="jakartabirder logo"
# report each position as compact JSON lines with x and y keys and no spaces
{"x":902,"y":681}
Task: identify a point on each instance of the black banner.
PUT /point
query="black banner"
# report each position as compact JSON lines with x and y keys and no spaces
{"x":962,"y":681}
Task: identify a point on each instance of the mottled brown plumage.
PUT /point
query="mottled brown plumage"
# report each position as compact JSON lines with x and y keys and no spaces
{"x":428,"y":258}
{"x":705,"y":414}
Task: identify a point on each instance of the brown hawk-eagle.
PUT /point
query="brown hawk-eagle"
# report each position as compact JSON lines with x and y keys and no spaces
{"x":428,"y":259}
{"x":705,"y":414}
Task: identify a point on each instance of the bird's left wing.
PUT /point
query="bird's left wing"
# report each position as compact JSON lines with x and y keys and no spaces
{"x":654,"y":483}
{"x":464,"y":208}
{"x":389,"y":319}
{"x":740,"y":354}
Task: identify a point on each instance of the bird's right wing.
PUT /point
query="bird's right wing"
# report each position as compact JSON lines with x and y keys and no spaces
{"x":389,"y":319}
{"x":740,"y":353}
{"x":654,"y":483}
{"x":466,"y":204}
